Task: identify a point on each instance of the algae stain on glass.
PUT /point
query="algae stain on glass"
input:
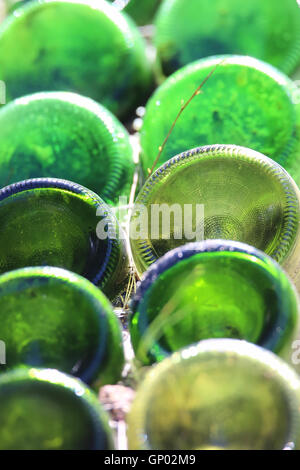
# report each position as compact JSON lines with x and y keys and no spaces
{"x":65,"y":135}
{"x":246,"y":102}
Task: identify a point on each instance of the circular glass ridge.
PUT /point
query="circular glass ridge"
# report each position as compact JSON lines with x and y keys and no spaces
{"x":49,"y":381}
{"x":103,"y":359}
{"x":47,"y":118}
{"x":256,"y":361}
{"x":143,"y":251}
{"x":115,"y":257}
{"x":275,"y":335}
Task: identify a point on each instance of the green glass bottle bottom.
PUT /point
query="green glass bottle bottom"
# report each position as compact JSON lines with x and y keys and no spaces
{"x":214,"y":289}
{"x":218,"y":394}
{"x":47,"y":410}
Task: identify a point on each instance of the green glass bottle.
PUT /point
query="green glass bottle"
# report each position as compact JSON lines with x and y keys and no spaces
{"x":142,"y":11}
{"x":268,"y":30}
{"x":61,"y":321}
{"x":83,"y":46}
{"x":218,"y":395}
{"x":52,"y":222}
{"x":64,"y":135}
{"x":245,"y":102}
{"x":218,"y":192}
{"x":47,"y":410}
{"x":213,"y":289}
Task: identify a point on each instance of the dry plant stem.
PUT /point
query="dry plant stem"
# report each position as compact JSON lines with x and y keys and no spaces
{"x":131,"y":287}
{"x":183,"y":107}
{"x":170,"y":314}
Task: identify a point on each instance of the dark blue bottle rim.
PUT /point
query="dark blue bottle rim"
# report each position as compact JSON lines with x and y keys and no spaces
{"x":74,"y":387}
{"x":37,"y":183}
{"x":290,"y":225}
{"x":269,"y":339}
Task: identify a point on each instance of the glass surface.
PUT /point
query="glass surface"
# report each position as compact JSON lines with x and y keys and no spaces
{"x":51,"y":317}
{"x":48,"y":410}
{"x":142,"y":11}
{"x":53,"y":222}
{"x":245,"y":102}
{"x":213,"y":289}
{"x":266,"y":29}
{"x":246,"y":197}
{"x":219,"y":394}
{"x":64,"y":135}
{"x":84,"y":46}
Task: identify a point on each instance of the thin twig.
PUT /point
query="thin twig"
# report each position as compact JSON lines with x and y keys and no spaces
{"x":183,"y":107}
{"x":131,"y":288}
